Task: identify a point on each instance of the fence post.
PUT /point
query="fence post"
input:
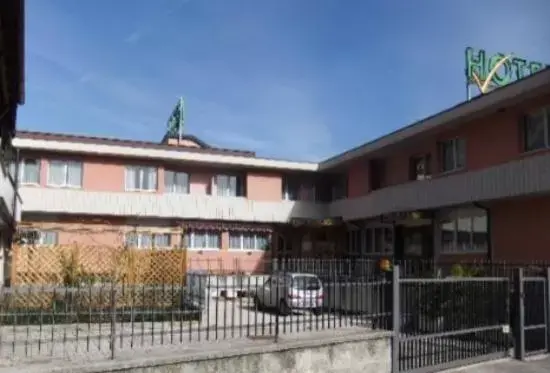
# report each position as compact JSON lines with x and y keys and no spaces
{"x":277,"y":295}
{"x":519,"y":315}
{"x":547,"y":305}
{"x":396,"y":318}
{"x":113,"y":320}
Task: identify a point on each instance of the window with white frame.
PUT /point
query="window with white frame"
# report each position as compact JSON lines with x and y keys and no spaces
{"x":65,"y":174}
{"x":141,"y":178}
{"x":29,"y":171}
{"x":453,"y":154}
{"x":370,"y":241}
{"x":146,"y":240}
{"x":465,"y":231}
{"x":229,"y":185}
{"x":199,"y":239}
{"x":536,"y":134}
{"x":176,"y":182}
{"x":37,"y":237}
{"x":248,"y":241}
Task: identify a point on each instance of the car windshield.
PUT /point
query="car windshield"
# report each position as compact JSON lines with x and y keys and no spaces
{"x":306,"y":283}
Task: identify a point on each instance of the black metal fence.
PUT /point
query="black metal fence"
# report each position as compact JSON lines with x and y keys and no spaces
{"x":440,"y":315}
{"x":440,"y":323}
{"x":109,"y":320}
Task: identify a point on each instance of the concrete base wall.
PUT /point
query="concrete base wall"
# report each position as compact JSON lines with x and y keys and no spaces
{"x":364,"y":352}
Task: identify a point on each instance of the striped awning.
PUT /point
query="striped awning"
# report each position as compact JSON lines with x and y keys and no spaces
{"x":224,"y":225}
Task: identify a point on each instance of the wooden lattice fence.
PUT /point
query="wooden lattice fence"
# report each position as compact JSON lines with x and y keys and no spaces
{"x":67,"y":265}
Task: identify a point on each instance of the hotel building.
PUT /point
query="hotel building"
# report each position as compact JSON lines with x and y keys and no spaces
{"x":471,"y":182}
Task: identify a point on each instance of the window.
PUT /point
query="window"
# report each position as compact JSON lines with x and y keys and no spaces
{"x":139,"y":178}
{"x":339,"y":188}
{"x":307,"y":192}
{"x":202,"y":239}
{"x":65,"y":174}
{"x":29,"y":171}
{"x":35,"y":237}
{"x":420,"y":167}
{"x":377,"y":173}
{"x":248,"y":241}
{"x":355,"y":241}
{"x":370,"y":241}
{"x":229,"y":186}
{"x":464,"y":231}
{"x":299,"y":188}
{"x":453,"y":154}
{"x":176,"y":182}
{"x":291,"y":188}
{"x":144,"y":240}
{"x":535,"y":130}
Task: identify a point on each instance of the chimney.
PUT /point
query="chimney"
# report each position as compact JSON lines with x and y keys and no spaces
{"x":185,"y":142}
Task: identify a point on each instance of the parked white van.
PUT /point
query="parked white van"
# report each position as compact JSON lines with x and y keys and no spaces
{"x":291,"y":291}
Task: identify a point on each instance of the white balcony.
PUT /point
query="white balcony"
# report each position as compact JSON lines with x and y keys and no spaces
{"x":171,"y":206}
{"x":9,"y":197}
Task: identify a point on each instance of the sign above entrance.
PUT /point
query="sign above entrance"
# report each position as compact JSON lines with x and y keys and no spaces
{"x":404,"y":216}
{"x":317,"y":222}
{"x":488,"y":72}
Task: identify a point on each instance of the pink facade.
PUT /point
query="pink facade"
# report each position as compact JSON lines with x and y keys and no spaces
{"x":107,"y":174}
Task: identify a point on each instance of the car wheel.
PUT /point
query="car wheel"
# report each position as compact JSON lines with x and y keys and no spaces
{"x":317,"y":311}
{"x":284,"y":309}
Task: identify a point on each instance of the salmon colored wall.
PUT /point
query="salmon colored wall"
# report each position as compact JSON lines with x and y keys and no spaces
{"x":201,"y":183}
{"x":264,"y":187}
{"x":498,"y":132}
{"x":358,"y":182}
{"x":520,"y":229}
{"x":228,"y":261}
{"x":103,"y":177}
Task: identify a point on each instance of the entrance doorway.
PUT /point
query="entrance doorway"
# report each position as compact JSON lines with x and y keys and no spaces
{"x":414,"y":242}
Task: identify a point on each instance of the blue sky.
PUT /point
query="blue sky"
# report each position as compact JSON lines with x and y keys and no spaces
{"x":300,"y":79}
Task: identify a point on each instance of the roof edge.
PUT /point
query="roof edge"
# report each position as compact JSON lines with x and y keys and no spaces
{"x":466,"y":108}
{"x":153,"y":151}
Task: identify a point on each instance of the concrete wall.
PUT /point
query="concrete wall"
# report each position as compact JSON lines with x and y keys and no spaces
{"x":365,"y":352}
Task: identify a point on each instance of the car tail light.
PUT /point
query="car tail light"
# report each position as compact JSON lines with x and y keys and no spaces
{"x":320,"y":296}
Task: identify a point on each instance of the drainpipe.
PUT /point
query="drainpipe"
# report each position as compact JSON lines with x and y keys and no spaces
{"x":487,"y":210}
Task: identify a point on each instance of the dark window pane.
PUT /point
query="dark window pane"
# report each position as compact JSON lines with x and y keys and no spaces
{"x":535,"y":131}
{"x":464,"y":234}
{"x":448,"y":235}
{"x":447,"y":156}
{"x":460,"y":153}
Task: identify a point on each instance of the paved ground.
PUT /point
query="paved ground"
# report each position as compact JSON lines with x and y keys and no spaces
{"x":508,"y":366}
{"x":234,"y":320}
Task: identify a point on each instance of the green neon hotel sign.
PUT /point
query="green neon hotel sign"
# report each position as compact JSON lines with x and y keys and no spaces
{"x":492,"y":71}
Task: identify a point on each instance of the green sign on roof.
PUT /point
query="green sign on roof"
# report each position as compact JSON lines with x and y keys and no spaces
{"x":493,"y":71}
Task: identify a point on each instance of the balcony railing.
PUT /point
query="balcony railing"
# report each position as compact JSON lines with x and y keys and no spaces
{"x":177,"y":206}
